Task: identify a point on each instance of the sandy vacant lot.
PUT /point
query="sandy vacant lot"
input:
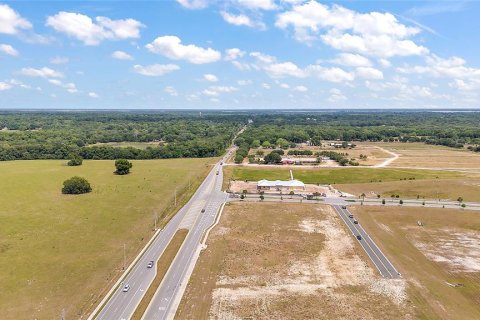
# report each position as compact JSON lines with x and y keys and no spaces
{"x":288,"y":261}
{"x":419,"y":155}
{"x":440,"y":261}
{"x":445,"y":189}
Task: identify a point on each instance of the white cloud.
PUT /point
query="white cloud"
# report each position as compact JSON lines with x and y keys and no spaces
{"x":11,"y":22}
{"x":155,"y":70}
{"x":210,"y":77}
{"x":241,"y":20}
{"x":453,"y":67}
{"x":244,"y":82}
{"x":266,"y":86}
{"x":215,"y":91}
{"x":369,"y":73}
{"x":284,"y":85}
{"x":121,"y":55}
{"x":233,"y":54}
{"x":352,"y":60}
{"x":5,"y":86}
{"x":336,"y":95}
{"x":279,"y":70}
{"x":257,"y":4}
{"x":172,"y":48}
{"x":385,"y":63}
{"x":331,"y":74}
{"x":59,"y":60}
{"x":93,"y":94}
{"x":171,"y":91}
{"x":91,"y":32}
{"x":210,"y":93}
{"x":8,"y":49}
{"x":300,"y":89}
{"x":70,"y":87}
{"x":374,"y":33}
{"x":44,"y":72}
{"x":193,"y":4}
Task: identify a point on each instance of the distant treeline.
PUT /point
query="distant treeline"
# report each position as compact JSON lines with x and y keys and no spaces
{"x":59,"y":135}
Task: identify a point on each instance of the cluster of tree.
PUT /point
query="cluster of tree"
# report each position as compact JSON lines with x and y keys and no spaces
{"x":338,"y":157}
{"x":75,"y":161}
{"x":58,"y":135}
{"x":272,"y":158}
{"x":300,"y":152}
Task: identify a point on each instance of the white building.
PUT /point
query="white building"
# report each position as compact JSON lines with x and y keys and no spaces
{"x":280,"y":185}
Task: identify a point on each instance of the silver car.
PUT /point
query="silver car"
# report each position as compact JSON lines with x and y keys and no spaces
{"x":126,"y":288}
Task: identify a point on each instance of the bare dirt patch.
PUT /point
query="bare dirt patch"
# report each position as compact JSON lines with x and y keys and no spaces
{"x":440,"y":260}
{"x":288,"y":261}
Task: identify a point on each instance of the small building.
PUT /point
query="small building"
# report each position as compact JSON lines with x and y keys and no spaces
{"x":280,"y":185}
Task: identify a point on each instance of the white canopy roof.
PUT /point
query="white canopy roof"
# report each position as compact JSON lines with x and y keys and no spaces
{"x":280,"y":183}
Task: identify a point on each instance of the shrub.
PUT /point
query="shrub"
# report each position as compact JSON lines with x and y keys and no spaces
{"x":123,"y":166}
{"x":75,"y":161}
{"x":76,"y":185}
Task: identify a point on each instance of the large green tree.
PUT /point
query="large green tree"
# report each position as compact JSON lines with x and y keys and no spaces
{"x":123,"y":166}
{"x":273,"y":157}
{"x":76,"y":185}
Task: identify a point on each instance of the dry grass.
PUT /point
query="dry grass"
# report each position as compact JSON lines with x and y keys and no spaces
{"x":419,"y":155}
{"x":449,"y":189}
{"x":289,"y":261}
{"x":444,"y":251}
{"x":162,"y":267}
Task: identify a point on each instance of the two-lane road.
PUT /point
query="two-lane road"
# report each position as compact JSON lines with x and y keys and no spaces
{"x":384,"y":266}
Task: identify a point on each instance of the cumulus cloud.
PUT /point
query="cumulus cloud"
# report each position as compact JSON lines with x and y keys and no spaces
{"x":210,"y":77}
{"x":155,"y":70}
{"x":193,"y":4}
{"x":215,"y":91}
{"x":8,"y":49}
{"x":172,"y":48}
{"x":93,"y":94}
{"x":11,"y":22}
{"x":331,"y":74}
{"x":241,"y":20}
{"x":233,"y":54}
{"x":374,"y":33}
{"x":171,"y":91}
{"x":369,"y":73}
{"x":453,"y":67}
{"x":257,"y":4}
{"x":44,"y":72}
{"x":244,"y":82}
{"x":121,"y":55}
{"x":300,"y":89}
{"x":70,"y":87}
{"x":90,"y":32}
{"x":336,"y":95}
{"x":352,"y":60}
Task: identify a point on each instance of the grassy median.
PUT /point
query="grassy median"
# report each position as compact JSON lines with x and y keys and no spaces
{"x":162,"y":267}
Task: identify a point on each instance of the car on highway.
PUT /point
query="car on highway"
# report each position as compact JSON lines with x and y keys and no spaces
{"x":203,"y":210}
{"x":355,"y":221}
{"x":150,"y":264}
{"x":359,"y":237}
{"x":217,"y":173}
{"x":126,"y":288}
{"x":344,"y":207}
{"x":350,"y":216}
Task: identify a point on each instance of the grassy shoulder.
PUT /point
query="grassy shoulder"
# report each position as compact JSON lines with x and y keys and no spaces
{"x":63,"y":251}
{"x":445,"y":189}
{"x":432,"y":258}
{"x":162,"y":267}
{"x":335,"y":175}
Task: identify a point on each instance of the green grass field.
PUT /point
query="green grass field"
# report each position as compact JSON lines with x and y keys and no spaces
{"x":335,"y":175}
{"x":62,"y":251}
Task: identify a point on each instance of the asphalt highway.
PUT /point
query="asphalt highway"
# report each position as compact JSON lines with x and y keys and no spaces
{"x":384,"y":266}
{"x":121,"y":305}
{"x":165,"y":301}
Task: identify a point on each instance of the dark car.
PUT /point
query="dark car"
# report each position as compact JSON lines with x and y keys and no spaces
{"x":355,"y":221}
{"x":203,"y":210}
{"x":344,"y":207}
{"x":359,"y":237}
{"x":150,"y":264}
{"x":350,"y":216}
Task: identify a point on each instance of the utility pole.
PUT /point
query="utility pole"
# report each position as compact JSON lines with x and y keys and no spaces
{"x":124,"y":257}
{"x":175,"y":197}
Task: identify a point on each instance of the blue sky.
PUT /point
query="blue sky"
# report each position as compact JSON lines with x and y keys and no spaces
{"x":238,"y":54}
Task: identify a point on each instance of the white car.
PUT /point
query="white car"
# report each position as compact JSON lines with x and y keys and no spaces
{"x":126,"y":288}
{"x":150,"y":264}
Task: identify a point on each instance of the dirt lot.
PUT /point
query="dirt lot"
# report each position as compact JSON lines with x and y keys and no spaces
{"x":440,"y":261}
{"x":451,"y":189}
{"x":289,"y":261}
{"x":419,"y":155}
